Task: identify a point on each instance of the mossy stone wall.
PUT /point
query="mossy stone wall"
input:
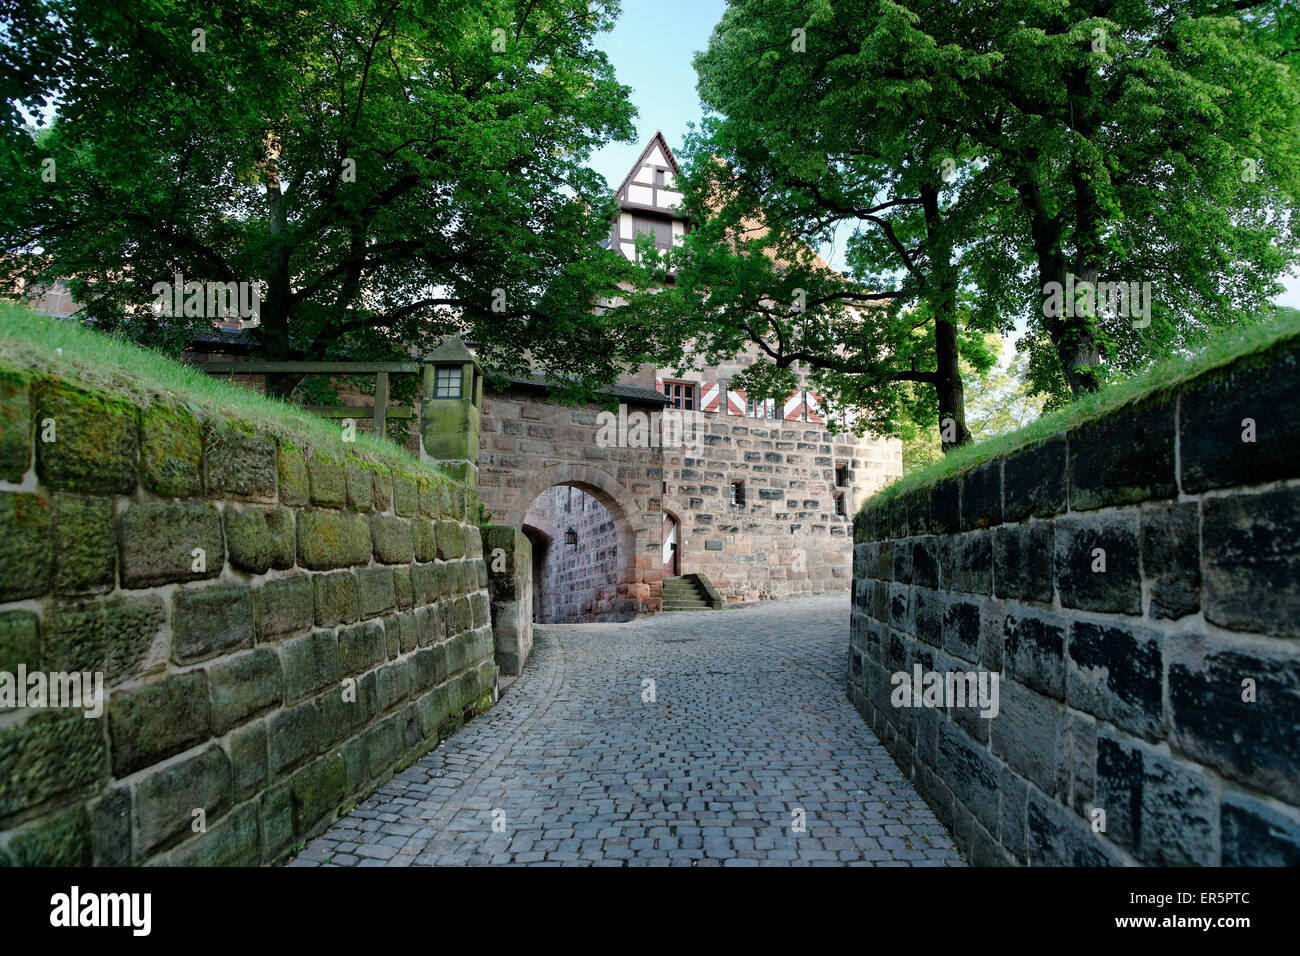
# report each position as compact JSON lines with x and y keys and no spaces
{"x":1134,"y":584}
{"x":279,"y":629}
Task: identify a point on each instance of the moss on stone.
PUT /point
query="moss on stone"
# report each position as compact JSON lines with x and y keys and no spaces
{"x":359,"y":485}
{"x":294,"y":488}
{"x":19,"y":641}
{"x":96,"y":440}
{"x":26,"y":546}
{"x":130,"y":626}
{"x":328,"y":484}
{"x":450,"y":726}
{"x":157,"y":541}
{"x":56,"y":840}
{"x":328,"y":540}
{"x":15,"y":424}
{"x":171,"y":451}
{"x":406,"y":499}
{"x":51,"y":752}
{"x":318,"y":791}
{"x":231,"y":842}
{"x":238,"y":462}
{"x":259,"y":539}
{"x":85,"y":556}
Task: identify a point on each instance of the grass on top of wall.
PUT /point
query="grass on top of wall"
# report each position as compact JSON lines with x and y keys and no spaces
{"x":67,"y":349}
{"x":1223,"y":349}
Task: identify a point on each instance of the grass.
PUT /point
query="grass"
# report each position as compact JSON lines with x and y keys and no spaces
{"x":1164,"y":377}
{"x":63,"y":347}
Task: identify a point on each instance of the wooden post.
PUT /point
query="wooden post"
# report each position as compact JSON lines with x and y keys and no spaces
{"x":381,"y":402}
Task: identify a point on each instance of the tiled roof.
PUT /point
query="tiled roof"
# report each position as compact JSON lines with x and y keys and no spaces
{"x":647,"y":396}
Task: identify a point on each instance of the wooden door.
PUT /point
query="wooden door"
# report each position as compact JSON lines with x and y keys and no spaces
{"x":670,"y":546}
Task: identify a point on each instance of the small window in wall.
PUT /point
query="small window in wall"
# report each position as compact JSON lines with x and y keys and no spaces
{"x":756,"y":408}
{"x":841,"y":476}
{"x":659,"y":177}
{"x":447,"y":381}
{"x":680,"y":395}
{"x":839,"y":505}
{"x":737,"y":494}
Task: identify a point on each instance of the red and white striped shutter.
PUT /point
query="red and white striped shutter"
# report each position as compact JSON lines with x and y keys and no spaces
{"x":659,"y":384}
{"x":735,"y":402}
{"x":709,"y":392}
{"x":793,"y":410}
{"x":815,"y":408}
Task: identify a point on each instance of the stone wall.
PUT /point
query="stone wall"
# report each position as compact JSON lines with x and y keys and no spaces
{"x":1134,"y":582}
{"x":509,"y":557}
{"x":576,"y":583}
{"x":785,"y":538}
{"x":277,"y":628}
{"x":530,"y":443}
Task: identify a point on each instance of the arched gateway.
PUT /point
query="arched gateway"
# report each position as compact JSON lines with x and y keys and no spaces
{"x":530,"y":444}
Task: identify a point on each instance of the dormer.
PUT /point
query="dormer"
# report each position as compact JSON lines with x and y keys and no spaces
{"x":648,"y":200}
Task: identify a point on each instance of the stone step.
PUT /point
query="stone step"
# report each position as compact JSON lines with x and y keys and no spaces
{"x":685,"y":594}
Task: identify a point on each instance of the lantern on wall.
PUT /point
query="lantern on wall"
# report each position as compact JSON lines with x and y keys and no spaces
{"x":571,"y":538}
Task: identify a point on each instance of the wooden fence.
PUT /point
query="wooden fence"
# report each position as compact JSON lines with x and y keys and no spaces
{"x":380,"y":370}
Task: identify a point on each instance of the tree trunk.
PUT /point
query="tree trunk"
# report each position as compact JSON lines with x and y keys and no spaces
{"x":1077,"y":344}
{"x":948,"y":388}
{"x":942,"y":297}
{"x":275,"y":315}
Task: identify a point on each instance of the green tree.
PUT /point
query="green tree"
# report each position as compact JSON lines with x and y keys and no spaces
{"x":1000,"y":399}
{"x":1103,"y":141}
{"x":389,"y":173}
{"x":812,"y":139}
{"x":1145,"y":143}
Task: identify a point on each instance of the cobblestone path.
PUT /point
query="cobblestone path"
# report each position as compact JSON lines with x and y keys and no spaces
{"x":749,"y":724}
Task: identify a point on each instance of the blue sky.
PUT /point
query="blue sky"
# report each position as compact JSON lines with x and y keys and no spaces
{"x":651,"y":47}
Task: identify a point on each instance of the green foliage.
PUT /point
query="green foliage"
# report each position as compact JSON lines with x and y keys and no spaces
{"x":978,"y":152}
{"x":999,"y":400}
{"x":1263,"y":331}
{"x":389,"y":173}
{"x":807,"y":141}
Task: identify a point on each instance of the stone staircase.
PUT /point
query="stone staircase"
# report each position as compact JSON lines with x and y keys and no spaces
{"x":689,"y":593}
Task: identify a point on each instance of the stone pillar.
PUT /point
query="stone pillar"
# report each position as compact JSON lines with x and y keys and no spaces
{"x":509,"y":557}
{"x":449,"y":424}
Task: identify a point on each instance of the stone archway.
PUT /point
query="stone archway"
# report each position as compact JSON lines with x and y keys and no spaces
{"x":639,"y":572}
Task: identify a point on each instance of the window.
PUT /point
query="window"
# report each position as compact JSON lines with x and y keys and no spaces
{"x":659,"y":177}
{"x":841,"y":476}
{"x":447,"y":381}
{"x":737,"y":494}
{"x":756,"y":408}
{"x":660,"y":229}
{"x":680,"y":395}
{"x":839,"y":505}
